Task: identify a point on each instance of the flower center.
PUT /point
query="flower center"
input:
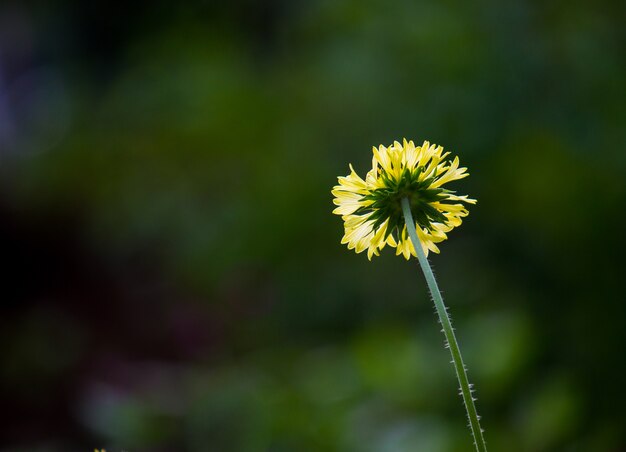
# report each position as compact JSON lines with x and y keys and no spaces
{"x":387,"y":200}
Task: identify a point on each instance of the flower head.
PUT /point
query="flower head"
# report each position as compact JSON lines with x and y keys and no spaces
{"x":371,"y":208}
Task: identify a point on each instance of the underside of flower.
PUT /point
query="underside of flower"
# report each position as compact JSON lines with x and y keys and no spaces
{"x":371,"y":208}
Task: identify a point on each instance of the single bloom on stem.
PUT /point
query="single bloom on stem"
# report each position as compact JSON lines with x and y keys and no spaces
{"x":371,"y":208}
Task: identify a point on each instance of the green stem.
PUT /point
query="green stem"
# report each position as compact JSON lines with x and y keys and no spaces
{"x":457,"y":360}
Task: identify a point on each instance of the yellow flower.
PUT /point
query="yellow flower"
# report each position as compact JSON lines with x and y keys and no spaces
{"x":371,"y":208}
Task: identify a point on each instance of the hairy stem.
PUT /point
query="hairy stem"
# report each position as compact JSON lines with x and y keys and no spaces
{"x":444,"y":319}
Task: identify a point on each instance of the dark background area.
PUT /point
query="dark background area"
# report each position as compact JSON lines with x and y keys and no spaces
{"x":173,"y":278}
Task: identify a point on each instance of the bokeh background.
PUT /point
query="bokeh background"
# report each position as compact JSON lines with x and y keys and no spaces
{"x":173,"y":278}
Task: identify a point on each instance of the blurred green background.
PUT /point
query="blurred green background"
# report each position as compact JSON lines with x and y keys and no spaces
{"x":173,"y":274}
